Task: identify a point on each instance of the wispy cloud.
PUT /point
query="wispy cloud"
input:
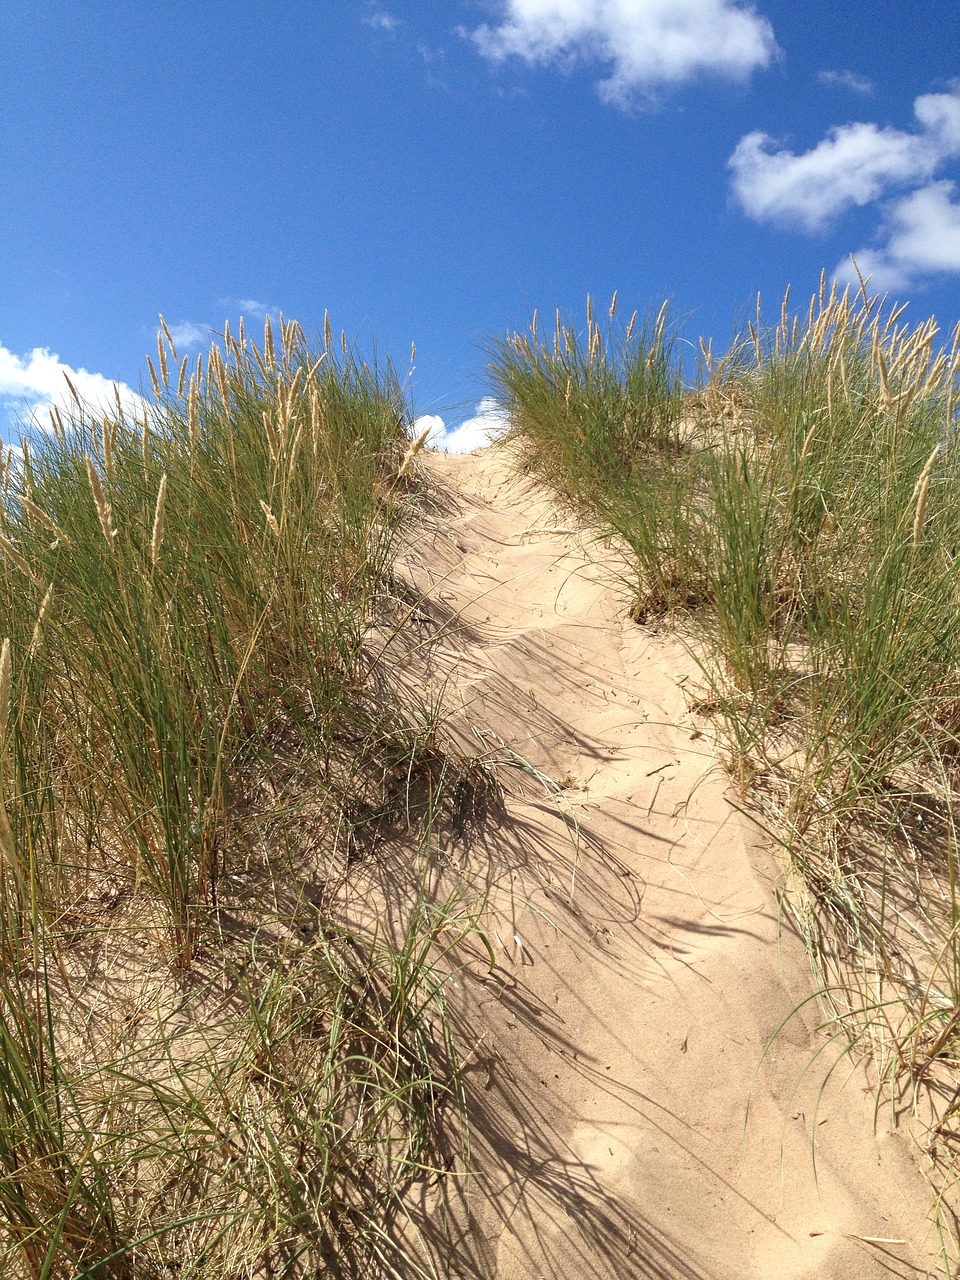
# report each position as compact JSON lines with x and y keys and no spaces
{"x":855,"y":164}
{"x":486,"y":423}
{"x":252,"y":307}
{"x":845,"y":80}
{"x":187,"y":334}
{"x":33,"y":383}
{"x":646,"y":44}
{"x":382,"y":20}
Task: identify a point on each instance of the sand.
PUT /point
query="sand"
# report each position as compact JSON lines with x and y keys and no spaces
{"x":645,"y":1065}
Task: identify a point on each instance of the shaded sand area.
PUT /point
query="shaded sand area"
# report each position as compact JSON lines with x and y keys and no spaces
{"x":623,"y":1123}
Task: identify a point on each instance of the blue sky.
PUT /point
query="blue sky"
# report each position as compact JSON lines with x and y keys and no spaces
{"x":431,"y":172}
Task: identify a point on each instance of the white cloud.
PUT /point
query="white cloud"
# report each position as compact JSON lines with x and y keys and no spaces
{"x":646,"y":43}
{"x":879,"y":274}
{"x":845,"y":80}
{"x":433,"y":423}
{"x":855,"y":164}
{"x":939,"y":113}
{"x":920,"y":236}
{"x":381,"y":20}
{"x":251,"y":307}
{"x":187,"y":334}
{"x":487,"y":423}
{"x":31,"y":384}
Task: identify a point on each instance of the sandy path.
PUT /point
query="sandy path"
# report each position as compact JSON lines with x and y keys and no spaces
{"x":641,"y":971}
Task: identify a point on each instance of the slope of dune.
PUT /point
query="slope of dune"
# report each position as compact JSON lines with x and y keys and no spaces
{"x":643,"y":1103}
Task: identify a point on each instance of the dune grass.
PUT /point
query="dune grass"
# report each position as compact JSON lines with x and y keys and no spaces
{"x":795,"y":515}
{"x":210,"y":1064}
{"x":224,"y":1046}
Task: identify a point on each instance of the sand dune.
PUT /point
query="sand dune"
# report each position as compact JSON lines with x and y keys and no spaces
{"x":624,"y":1124}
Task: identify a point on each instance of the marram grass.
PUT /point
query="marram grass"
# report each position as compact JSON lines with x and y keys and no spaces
{"x":207,"y":1068}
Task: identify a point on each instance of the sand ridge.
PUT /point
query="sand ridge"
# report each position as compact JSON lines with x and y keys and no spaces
{"x":623,"y":1124}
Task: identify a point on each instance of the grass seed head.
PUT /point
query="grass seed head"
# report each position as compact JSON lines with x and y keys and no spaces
{"x":104,"y":511}
{"x":270,"y":518}
{"x":273,"y":442}
{"x":807,"y":442}
{"x":412,"y":452}
{"x":220,"y":377}
{"x":73,"y":391}
{"x":37,"y":513}
{"x":156,"y":539}
{"x":920,"y":493}
{"x":154,"y":380}
{"x":38,"y":625}
{"x":886,"y":395}
{"x":595,"y":343}
{"x":169,"y":338}
{"x":13,"y":555}
{"x":162,"y":357}
{"x":661,"y":321}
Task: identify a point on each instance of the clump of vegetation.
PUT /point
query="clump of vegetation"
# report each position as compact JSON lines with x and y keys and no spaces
{"x":796,"y":515}
{"x":213,"y":1061}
